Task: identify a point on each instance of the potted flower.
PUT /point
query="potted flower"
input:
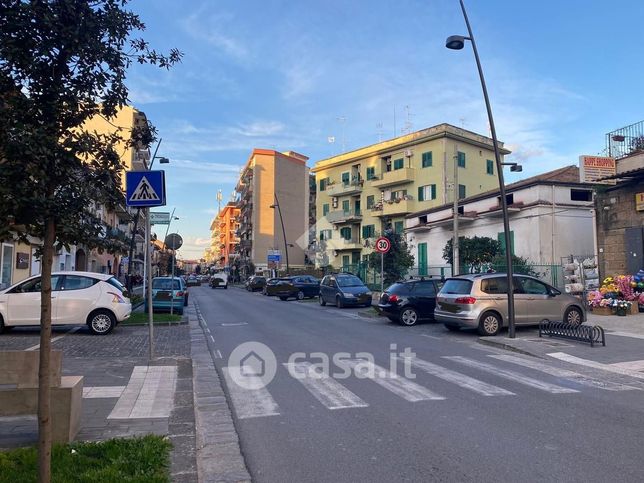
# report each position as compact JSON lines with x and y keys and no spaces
{"x":622,"y":307}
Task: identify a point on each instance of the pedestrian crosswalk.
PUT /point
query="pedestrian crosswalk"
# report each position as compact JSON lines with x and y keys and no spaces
{"x":254,"y":400}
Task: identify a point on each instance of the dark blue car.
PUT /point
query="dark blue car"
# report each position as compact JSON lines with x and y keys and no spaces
{"x":343,"y":289}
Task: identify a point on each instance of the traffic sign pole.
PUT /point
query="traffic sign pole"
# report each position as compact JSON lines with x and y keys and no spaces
{"x":148,"y":268}
{"x":382,"y":272}
{"x":383,"y":245}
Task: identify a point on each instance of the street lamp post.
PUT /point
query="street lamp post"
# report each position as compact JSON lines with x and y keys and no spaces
{"x":279,"y":211}
{"x":456,"y":42}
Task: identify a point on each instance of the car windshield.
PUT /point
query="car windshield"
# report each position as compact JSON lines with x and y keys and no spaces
{"x":349,"y":282}
{"x":165,"y":284}
{"x":457,"y":286}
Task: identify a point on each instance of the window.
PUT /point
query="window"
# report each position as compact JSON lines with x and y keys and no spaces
{"x":323,"y":183}
{"x":581,"y":195}
{"x":399,"y":227}
{"x":398,"y":195}
{"x":346,"y":206}
{"x":345,"y":178}
{"x":368,"y":231}
{"x":461,"y":159}
{"x":457,"y":286}
{"x":427,"y":159}
{"x":166,"y":284}
{"x":371,"y":172}
{"x":422,"y":219}
{"x":325,"y":234}
{"x":74,"y":282}
{"x":530,"y":286}
{"x":345,"y":265}
{"x":489,"y":166}
{"x":427,"y":192}
{"x":424,"y":289}
{"x":496,"y":285}
{"x":345,"y":233}
{"x":325,"y":209}
{"x":399,"y":163}
{"x":462,"y":192}
{"x":501,"y":237}
{"x":371,"y":199}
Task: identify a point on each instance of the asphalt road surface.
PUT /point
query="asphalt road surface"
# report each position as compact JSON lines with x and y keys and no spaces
{"x":471,"y":413}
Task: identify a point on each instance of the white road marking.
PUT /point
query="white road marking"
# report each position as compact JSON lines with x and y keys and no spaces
{"x":430,"y":336}
{"x":252,"y":402}
{"x":70,"y":331}
{"x":459,"y":379}
{"x":511,"y":375}
{"x":559,"y":372}
{"x":218,"y":354}
{"x":148,"y":394}
{"x":631,"y":365}
{"x":400,"y":386}
{"x":96,"y":392}
{"x":562,"y":356}
{"x":626,"y":334}
{"x":234,"y":325}
{"x":212,"y":339}
{"x":329,"y":392}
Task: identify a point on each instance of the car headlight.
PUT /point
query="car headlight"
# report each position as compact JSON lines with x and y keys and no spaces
{"x":349,"y":295}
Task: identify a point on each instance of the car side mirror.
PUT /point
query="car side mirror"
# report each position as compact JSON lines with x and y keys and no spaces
{"x":554,"y":293}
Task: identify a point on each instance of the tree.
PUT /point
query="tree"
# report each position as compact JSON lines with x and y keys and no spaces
{"x":61,"y":63}
{"x":474,"y":251}
{"x":397,"y":261}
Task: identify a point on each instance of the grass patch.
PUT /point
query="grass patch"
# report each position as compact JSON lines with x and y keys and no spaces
{"x":141,"y":318}
{"x":145,"y":459}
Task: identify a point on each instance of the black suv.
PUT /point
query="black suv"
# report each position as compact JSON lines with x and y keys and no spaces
{"x":409,"y":301}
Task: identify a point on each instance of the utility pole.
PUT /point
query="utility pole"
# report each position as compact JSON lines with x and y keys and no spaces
{"x":455,"y":247}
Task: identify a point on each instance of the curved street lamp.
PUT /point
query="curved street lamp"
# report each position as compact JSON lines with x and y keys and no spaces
{"x":286,"y":245}
{"x":457,"y":42}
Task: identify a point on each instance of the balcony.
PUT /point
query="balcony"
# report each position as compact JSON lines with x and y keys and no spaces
{"x":344,"y":244}
{"x":395,"y":177}
{"x":398,"y":207}
{"x":346,"y":189}
{"x":341,"y":216}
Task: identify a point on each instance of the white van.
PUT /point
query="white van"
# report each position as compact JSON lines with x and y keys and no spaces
{"x":219,"y":279}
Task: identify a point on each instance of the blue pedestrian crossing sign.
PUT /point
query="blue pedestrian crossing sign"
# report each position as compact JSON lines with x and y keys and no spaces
{"x":145,"y":188}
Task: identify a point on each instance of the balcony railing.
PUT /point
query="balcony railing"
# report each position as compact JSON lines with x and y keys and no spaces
{"x":345,"y":189}
{"x":342,"y":216}
{"x":398,"y":207}
{"x":395,"y":177}
{"x":345,"y":244}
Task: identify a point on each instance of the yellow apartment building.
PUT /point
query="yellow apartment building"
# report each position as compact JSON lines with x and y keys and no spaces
{"x":363,"y":192}
{"x":224,"y":233}
{"x":270,"y":178}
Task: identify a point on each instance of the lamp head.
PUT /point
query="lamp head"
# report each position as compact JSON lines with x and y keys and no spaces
{"x":455,"y":42}
{"x":272,"y":206}
{"x":517,"y":168}
{"x":163,"y":160}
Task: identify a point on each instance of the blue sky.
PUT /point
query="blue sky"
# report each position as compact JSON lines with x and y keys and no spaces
{"x":278,"y":74}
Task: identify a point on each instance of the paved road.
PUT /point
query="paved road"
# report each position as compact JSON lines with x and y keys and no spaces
{"x":471,"y":413}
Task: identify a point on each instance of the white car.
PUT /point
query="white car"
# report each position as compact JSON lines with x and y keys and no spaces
{"x":77,"y":298}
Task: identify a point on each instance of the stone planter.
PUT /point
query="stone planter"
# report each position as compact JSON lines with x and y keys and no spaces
{"x":602,"y":311}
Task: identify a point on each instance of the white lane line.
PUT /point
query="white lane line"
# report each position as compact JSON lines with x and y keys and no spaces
{"x":218,"y":354}
{"x":631,"y":365}
{"x":511,"y":375}
{"x":252,"y":401}
{"x":626,"y":334}
{"x":234,"y":325}
{"x":559,"y":372}
{"x":212,"y":339}
{"x":430,"y":336}
{"x":457,"y":378}
{"x":329,"y":392}
{"x":96,"y":392}
{"x":400,"y":386}
{"x":70,"y":331}
{"x":562,"y":356}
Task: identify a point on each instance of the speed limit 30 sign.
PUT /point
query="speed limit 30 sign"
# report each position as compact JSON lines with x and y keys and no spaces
{"x":383,"y":245}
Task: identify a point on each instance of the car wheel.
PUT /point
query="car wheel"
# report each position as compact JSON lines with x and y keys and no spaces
{"x":226,"y":287}
{"x":300,"y":295}
{"x":321,"y":300}
{"x":490,"y":324}
{"x":408,"y":316}
{"x":283,"y":298}
{"x":452,"y":327}
{"x":3,"y":328}
{"x":339,"y":303}
{"x":101,"y":322}
{"x":573,"y":316}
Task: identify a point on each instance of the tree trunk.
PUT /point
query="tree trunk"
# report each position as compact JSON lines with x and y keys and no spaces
{"x":44,"y":378}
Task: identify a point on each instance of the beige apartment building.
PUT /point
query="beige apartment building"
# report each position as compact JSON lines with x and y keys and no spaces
{"x":363,"y":192}
{"x":268,"y":180}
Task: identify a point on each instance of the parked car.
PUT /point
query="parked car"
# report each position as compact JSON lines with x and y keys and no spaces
{"x":299,"y":287}
{"x":480,"y":301}
{"x":269,"y":282}
{"x":410,"y":301}
{"x":219,"y":279}
{"x":344,"y":289}
{"x":254,"y":283}
{"x":168,"y":292}
{"x":78,"y":298}
{"x":192,"y":281}
{"x":273,"y":288}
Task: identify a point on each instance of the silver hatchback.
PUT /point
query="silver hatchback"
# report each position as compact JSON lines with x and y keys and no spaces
{"x":480,"y":301}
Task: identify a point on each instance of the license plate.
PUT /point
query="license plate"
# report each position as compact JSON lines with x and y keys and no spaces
{"x":448,"y":307}
{"x":163,"y":295}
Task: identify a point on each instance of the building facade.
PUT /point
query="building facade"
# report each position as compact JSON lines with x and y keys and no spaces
{"x":268,"y":180}
{"x":551,"y":217}
{"x":363,"y":192}
{"x":224,"y":233}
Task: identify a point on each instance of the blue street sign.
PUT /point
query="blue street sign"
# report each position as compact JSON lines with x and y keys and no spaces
{"x":145,"y":188}
{"x":274,"y":258}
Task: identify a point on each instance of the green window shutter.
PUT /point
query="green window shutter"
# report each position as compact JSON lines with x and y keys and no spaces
{"x":398,"y":227}
{"x":325,"y":209}
{"x":399,"y":163}
{"x":433,"y":191}
{"x":346,"y":206}
{"x":346,"y":233}
{"x":462,"y":191}
{"x":427,"y":159}
{"x":322,"y":185}
{"x":370,"y":201}
{"x":421,"y":193}
{"x":501,"y":239}
{"x":461,"y":159}
{"x":345,"y":178}
{"x":422,"y":259}
{"x":371,"y":171}
{"x":365,"y":231}
{"x":489,"y":166}
{"x":345,"y":261}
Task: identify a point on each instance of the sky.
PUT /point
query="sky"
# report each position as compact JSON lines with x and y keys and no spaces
{"x":287,"y":75}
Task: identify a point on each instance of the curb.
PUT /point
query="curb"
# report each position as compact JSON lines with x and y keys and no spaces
{"x":507,"y":347}
{"x":219,"y":456}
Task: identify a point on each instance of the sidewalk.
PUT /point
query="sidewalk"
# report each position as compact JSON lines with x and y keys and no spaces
{"x":624,"y":341}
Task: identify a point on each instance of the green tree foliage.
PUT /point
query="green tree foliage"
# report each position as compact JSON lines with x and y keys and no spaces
{"x":473,"y":251}
{"x":63,"y":62}
{"x":397,"y":261}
